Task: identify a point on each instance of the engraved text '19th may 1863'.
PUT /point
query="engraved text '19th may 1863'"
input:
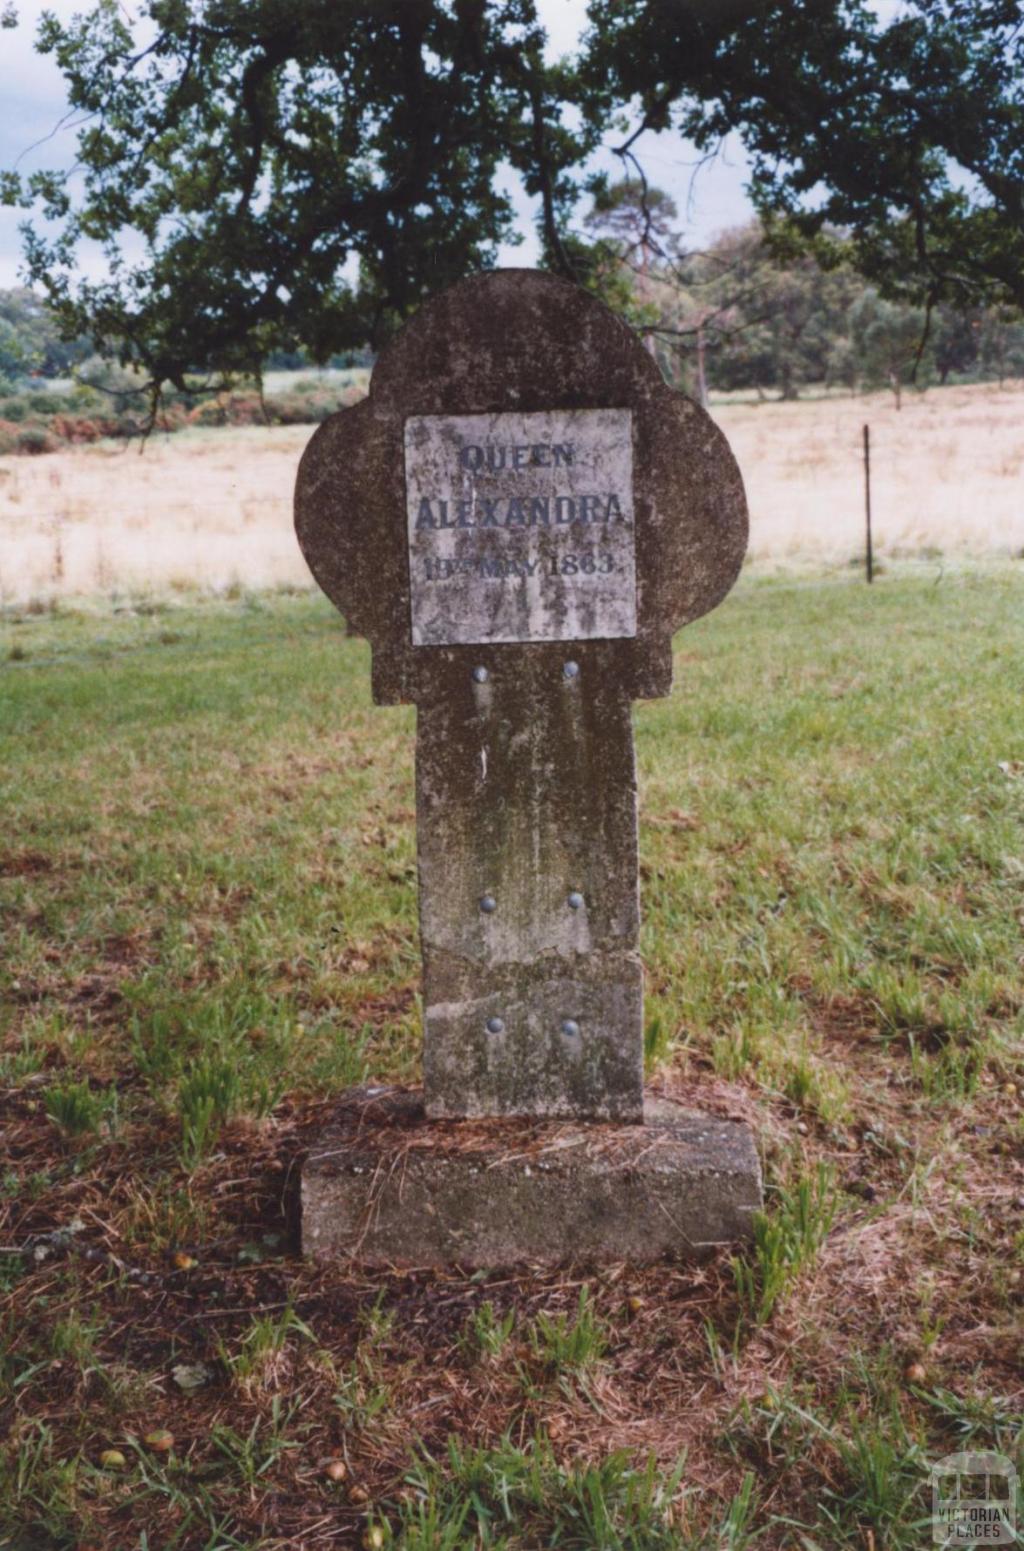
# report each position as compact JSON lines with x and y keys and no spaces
{"x":521,"y":526}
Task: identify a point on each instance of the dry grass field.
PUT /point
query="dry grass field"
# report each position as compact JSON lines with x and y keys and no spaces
{"x":212,"y":509}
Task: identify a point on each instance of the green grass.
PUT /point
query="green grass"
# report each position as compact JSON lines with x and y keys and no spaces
{"x":785,"y":1242}
{"x":507,"y":1497}
{"x":208,"y":926}
{"x":569,"y":1346}
{"x":74,"y":1108}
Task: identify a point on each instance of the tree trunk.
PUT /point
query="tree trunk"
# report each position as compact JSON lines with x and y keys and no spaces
{"x":644,"y":288}
{"x":702,"y":381}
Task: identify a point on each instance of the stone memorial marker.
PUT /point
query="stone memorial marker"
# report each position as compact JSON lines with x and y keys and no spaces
{"x":518,"y":518}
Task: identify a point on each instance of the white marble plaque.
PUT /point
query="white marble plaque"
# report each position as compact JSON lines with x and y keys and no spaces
{"x":521,"y":526}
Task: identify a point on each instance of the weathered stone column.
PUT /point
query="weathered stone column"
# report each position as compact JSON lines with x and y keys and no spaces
{"x":529,"y":914}
{"x":518,"y":518}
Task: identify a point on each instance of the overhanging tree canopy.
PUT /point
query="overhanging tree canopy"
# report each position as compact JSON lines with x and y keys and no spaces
{"x":252,"y":152}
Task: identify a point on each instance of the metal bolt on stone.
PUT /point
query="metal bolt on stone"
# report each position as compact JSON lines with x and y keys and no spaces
{"x":521,"y":478}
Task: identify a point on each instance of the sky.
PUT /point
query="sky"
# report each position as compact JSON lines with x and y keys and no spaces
{"x":33,"y":106}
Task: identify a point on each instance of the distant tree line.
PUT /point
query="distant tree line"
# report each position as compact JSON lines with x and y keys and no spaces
{"x":750,"y":312}
{"x":753,"y":312}
{"x":32,"y":347}
{"x":55,"y":393}
{"x":30,"y":339}
{"x":742,"y":315}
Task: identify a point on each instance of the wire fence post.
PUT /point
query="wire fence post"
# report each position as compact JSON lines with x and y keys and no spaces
{"x":869,"y":553}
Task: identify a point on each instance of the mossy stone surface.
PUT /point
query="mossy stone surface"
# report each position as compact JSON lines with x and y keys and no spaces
{"x":525,"y":776}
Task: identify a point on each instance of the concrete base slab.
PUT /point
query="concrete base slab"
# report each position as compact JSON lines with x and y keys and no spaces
{"x":388,"y":1187}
